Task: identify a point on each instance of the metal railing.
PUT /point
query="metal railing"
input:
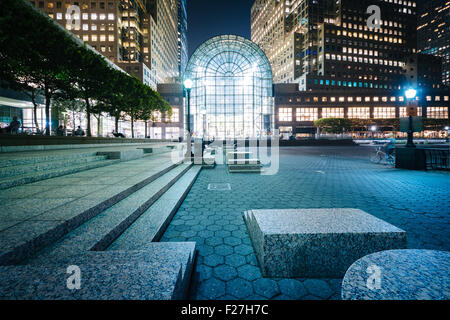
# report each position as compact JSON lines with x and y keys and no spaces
{"x":437,"y":159}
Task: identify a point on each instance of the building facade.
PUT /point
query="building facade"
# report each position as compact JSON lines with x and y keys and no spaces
{"x":140,"y":36}
{"x":328,"y":44}
{"x":183,"y":53}
{"x":295,"y":111}
{"x":163,"y":125}
{"x":232,"y":94}
{"x":433,"y":33}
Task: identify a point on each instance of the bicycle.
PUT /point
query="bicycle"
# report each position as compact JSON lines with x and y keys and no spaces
{"x":380,"y":157}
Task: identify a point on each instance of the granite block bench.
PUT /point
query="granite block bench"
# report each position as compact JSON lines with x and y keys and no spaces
{"x":317,"y":243}
{"x":399,"y":275}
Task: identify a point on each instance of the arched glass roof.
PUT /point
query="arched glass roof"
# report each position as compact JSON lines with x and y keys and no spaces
{"x":228,"y":55}
{"x":231,"y":95}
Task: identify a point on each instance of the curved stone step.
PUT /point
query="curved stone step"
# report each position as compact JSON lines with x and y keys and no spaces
{"x":44,"y":220}
{"x":154,"y":222}
{"x":11,"y":171}
{"x":98,"y":233}
{"x":10,"y":160}
{"x":13,"y":181}
{"x":160,"y":271}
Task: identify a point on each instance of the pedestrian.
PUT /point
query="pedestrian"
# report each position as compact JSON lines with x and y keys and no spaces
{"x":79,"y":132}
{"x":14,"y":126}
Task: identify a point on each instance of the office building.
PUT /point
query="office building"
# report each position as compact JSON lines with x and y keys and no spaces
{"x":140,"y":36}
{"x":328,"y":44}
{"x":433,"y":32}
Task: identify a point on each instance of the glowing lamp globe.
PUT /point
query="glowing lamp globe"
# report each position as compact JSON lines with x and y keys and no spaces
{"x":188,"y":84}
{"x":410,"y":93}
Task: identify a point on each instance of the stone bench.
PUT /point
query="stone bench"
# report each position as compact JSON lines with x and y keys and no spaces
{"x":243,"y":161}
{"x":239,"y":155}
{"x":317,"y":243}
{"x":399,"y":275}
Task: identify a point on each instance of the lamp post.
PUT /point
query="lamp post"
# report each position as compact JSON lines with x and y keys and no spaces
{"x":373,"y":129}
{"x":188,"y":83}
{"x":410,"y":94}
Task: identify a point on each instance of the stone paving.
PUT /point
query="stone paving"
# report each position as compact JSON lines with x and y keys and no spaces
{"x":417,"y":202}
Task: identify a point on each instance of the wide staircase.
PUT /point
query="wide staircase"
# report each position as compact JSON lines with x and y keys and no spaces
{"x":107,"y":227}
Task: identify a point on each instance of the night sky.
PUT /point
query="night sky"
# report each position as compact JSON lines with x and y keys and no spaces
{"x":209,"y":18}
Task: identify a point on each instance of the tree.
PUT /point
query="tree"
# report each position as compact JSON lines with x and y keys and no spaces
{"x":88,"y":79}
{"x":332,"y":125}
{"x":62,"y":103}
{"x":35,"y":59}
{"x":113,"y":96}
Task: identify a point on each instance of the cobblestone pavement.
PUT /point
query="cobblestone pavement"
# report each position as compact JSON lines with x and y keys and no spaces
{"x":327,"y":177}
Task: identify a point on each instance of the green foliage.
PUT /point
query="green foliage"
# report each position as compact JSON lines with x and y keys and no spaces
{"x":332,"y":125}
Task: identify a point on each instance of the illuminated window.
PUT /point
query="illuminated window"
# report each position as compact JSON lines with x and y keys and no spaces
{"x":384,"y":113}
{"x":403,"y":114}
{"x":333,"y":113}
{"x":358,"y":113}
{"x":285,"y":114}
{"x":175,"y":115}
{"x":157,"y":116}
{"x":437,"y":112}
{"x":307,"y":114}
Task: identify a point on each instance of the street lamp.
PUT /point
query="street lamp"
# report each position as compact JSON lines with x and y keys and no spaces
{"x":188,"y":84}
{"x":373,"y":129}
{"x":410,"y":94}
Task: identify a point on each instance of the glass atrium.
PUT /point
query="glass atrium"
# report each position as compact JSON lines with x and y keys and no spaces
{"x":232,"y":93}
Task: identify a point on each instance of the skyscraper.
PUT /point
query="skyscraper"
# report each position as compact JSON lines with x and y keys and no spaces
{"x":328,"y":44}
{"x":433,"y":32}
{"x":140,"y":36}
{"x":183,"y":55}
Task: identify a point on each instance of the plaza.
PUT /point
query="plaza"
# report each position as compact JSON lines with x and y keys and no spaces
{"x":309,"y":177}
{"x":307,"y":158}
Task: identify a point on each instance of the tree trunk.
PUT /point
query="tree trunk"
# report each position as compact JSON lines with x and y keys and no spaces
{"x":132,"y":127}
{"x":33,"y":100}
{"x":48,"y":98}
{"x":88,"y":116}
{"x":99,"y":133}
{"x":116,"y":123}
{"x":146,"y":129}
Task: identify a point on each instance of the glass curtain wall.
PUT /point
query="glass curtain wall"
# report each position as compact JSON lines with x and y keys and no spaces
{"x":232,"y":92}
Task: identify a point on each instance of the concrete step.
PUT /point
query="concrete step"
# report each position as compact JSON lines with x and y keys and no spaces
{"x":158,"y":150}
{"x":19,"y":180}
{"x":18,"y":159}
{"x":45,"y":225}
{"x":154,"y":222}
{"x":23,"y":169}
{"x":99,"y":232}
{"x":160,"y":271}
